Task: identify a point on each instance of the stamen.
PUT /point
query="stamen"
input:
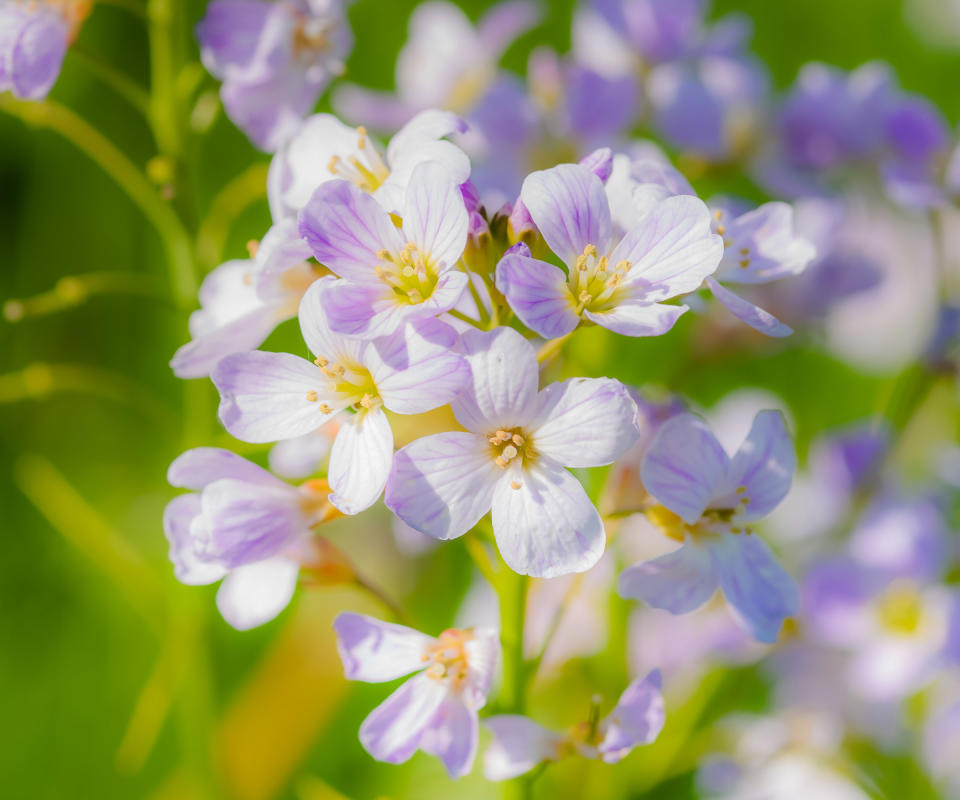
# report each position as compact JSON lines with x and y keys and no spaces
{"x":312,"y":396}
{"x":320,"y":361}
{"x":368,"y":401}
{"x":721,"y":230}
{"x":325,"y":409}
{"x":516,"y":485}
{"x":517,"y":439}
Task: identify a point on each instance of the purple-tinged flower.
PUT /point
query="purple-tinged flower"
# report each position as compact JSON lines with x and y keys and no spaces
{"x":391,"y":275}
{"x":916,"y":172}
{"x":617,"y":284}
{"x":323,"y":149}
{"x":711,"y":109}
{"x":436,"y":710}
{"x":445,"y":63}
{"x":520,"y":744}
{"x":760,"y":246}
{"x":33,"y":42}
{"x":242,"y":524}
{"x":275,"y":60}
{"x":266,"y":397}
{"x":243,"y":300}
{"x":511,"y":459}
{"x":709,"y":501}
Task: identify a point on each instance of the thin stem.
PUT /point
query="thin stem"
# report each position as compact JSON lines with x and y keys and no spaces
{"x":233,"y":198}
{"x":128,"y":89}
{"x":382,"y":597}
{"x":481,"y":559}
{"x":552,"y":348}
{"x":164,"y":102}
{"x":512,"y":591}
{"x":102,"y":151}
{"x":464,"y":318}
{"x":481,"y":308}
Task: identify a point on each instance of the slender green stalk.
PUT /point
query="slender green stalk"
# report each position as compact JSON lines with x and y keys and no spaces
{"x":512,"y":590}
{"x":165,"y":109}
{"x":236,"y":195}
{"x":105,"y":154}
{"x":128,"y":89}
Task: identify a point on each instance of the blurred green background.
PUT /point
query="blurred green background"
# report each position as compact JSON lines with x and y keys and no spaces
{"x":117,"y":682}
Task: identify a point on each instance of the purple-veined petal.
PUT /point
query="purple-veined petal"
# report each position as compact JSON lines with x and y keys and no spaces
{"x":747,"y":312}
{"x":188,"y":564}
{"x":441,"y":485}
{"x":774,"y":249}
{"x":454,"y":161}
{"x":502,"y":389}
{"x":393,"y":730}
{"x":685,"y":466}
{"x":360,"y":460}
{"x":316,"y":331}
{"x":418,"y":370}
{"x":265,"y":397}
{"x":569,"y":206}
{"x":346,"y":228}
{"x":483,"y":653}
{"x":243,"y":522}
{"x":434,"y":215}
{"x":679,"y":582}
{"x":376,"y":651}
{"x":763,"y":466}
{"x":452,"y":736}
{"x":519,"y":744}
{"x":35,"y":59}
{"x":759,"y":589}
{"x":539,"y":295}
{"x":637,"y":718}
{"x":198,"y":358}
{"x":585,"y":422}
{"x":196,"y":468}
{"x":255,"y":593}
{"x":671,"y":249}
{"x":637,"y":318}
{"x":547,"y":526}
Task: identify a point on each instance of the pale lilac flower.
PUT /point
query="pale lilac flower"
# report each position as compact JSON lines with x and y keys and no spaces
{"x":436,"y":710}
{"x":617,"y":284}
{"x":33,"y":41}
{"x":275,"y":60}
{"x":511,"y":459}
{"x":391,"y":275}
{"x":520,"y":744}
{"x":271,"y":396}
{"x":323,"y":149}
{"x":243,"y":525}
{"x":243,"y":300}
{"x":709,"y":501}
{"x":760,"y":246}
{"x":445,"y":63}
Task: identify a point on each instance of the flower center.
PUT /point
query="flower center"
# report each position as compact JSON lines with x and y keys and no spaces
{"x":593,"y":283}
{"x":411,"y":273}
{"x":367,"y":170}
{"x":713,"y":520}
{"x":900,"y":609}
{"x":447,"y":656}
{"x":349,"y":386}
{"x":509,"y":446}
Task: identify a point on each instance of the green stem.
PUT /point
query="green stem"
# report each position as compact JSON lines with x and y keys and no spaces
{"x":102,"y":152}
{"x":164,"y":102}
{"x":512,"y":590}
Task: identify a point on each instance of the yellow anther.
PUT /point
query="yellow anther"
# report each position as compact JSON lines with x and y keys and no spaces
{"x":333,"y":165}
{"x":436,"y":670}
{"x":718,"y":214}
{"x":735,"y":530}
{"x":320,"y":361}
{"x":745,"y":500}
{"x":410,"y":246}
{"x":585,"y":297}
{"x":515,"y":485}
{"x":517,"y":439}
{"x":722,"y":230}
{"x":590,"y":250}
{"x":312,"y":396}
{"x":623,"y":265}
{"x":741,"y":489}
{"x":252,"y":247}
{"x":503,"y":436}
{"x":383,"y":255}
{"x":368,"y":401}
{"x":744,"y":263}
{"x":501,"y":462}
{"x":247,"y":279}
{"x":744,"y":251}
{"x":325,"y":409}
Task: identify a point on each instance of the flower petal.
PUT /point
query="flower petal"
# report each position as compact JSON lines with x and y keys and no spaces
{"x":452,"y":736}
{"x":255,"y":593}
{"x":685,"y":466}
{"x":346,"y":228}
{"x":775,"y":250}
{"x":267,"y":396}
{"x":539,"y":295}
{"x":502,"y":389}
{"x":434,"y":215}
{"x":315,"y":326}
{"x":636,"y":318}
{"x":548,"y":526}
{"x":200,"y":466}
{"x":419,"y":369}
{"x":671,"y":249}
{"x":442,"y":485}
{"x":637,"y":719}
{"x":198,"y":358}
{"x":755,"y":584}
{"x":425,"y":128}
{"x":747,"y":312}
{"x":679,"y":582}
{"x":519,"y":744}
{"x":483,"y":653}
{"x":393,"y":730}
{"x":764,"y":466}
{"x":569,"y":206}
{"x":188,"y":564}
{"x":585,"y":422}
{"x":360,"y":461}
{"x":376,"y":651}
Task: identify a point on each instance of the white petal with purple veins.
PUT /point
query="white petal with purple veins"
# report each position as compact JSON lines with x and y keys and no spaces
{"x":360,"y":460}
{"x":376,"y":651}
